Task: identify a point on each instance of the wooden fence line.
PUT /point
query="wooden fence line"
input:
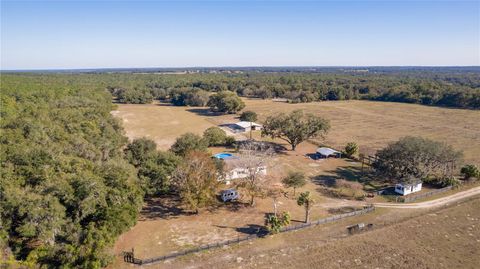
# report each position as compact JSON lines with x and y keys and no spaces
{"x":129,"y":256}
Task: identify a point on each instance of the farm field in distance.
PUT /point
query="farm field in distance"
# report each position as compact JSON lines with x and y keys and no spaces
{"x":371,"y":124}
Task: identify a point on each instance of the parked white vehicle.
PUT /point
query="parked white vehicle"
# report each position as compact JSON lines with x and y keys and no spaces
{"x":229,"y":195}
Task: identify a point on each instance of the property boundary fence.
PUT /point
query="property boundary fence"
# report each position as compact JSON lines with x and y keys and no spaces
{"x":423,"y":195}
{"x":129,"y":256}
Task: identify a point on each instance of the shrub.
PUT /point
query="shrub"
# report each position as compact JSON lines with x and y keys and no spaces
{"x":215,"y":136}
{"x":470,"y":171}
{"x":294,"y":180}
{"x":449,"y":181}
{"x":276,"y":223}
{"x":248,"y":116}
{"x":351,"y":149}
{"x":230,"y":141}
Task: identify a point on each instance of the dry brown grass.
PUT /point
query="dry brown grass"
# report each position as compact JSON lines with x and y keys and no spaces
{"x":371,"y":124}
{"x":374,"y":124}
{"x":161,"y":122}
{"x":446,"y":238}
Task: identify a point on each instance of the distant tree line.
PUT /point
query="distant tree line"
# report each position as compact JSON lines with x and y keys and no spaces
{"x":455,"y":89}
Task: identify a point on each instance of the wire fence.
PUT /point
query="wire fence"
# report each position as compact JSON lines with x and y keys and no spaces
{"x":423,"y":195}
{"x":129,"y":256}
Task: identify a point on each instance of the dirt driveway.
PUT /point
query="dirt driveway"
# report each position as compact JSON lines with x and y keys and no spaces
{"x":434,"y":203}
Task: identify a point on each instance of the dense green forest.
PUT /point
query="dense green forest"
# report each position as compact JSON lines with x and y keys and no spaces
{"x":460,"y":90}
{"x":66,"y":191}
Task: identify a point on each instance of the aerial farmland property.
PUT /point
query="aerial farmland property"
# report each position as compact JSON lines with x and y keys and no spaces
{"x":239,"y":134}
{"x":373,"y":125}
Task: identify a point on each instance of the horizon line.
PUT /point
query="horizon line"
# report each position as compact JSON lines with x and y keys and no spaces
{"x":226,"y":66}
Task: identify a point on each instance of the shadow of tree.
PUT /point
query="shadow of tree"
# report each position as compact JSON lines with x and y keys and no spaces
{"x":350,"y":173}
{"x":261,"y":145}
{"x":204,"y":112}
{"x":253,"y":229}
{"x":162,"y":208}
{"x":250,"y":229}
{"x":231,"y":205}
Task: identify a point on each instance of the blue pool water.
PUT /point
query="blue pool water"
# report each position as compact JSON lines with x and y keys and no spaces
{"x":223,"y":155}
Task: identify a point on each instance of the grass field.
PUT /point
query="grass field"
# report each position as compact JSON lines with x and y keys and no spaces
{"x":374,"y":124}
{"x":371,"y":124}
{"x":159,"y":122}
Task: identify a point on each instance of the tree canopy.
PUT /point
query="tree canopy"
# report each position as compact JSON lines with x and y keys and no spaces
{"x":189,"y":97}
{"x":215,"y":136}
{"x":66,"y":191}
{"x":295,"y":127}
{"x":248,"y":116}
{"x":226,"y":101}
{"x":189,"y":142}
{"x":417,"y":157}
{"x":196,"y":180}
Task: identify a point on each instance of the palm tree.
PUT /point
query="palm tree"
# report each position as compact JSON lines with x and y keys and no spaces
{"x":306,"y":201}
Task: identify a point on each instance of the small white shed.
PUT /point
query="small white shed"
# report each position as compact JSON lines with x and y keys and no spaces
{"x":245,"y":126}
{"x":406,"y":188}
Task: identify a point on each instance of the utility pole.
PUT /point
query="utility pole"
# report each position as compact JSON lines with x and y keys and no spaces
{"x":250,"y":130}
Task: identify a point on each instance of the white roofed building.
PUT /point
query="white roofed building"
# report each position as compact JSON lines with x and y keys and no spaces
{"x":246,"y":126}
{"x":327,"y":152}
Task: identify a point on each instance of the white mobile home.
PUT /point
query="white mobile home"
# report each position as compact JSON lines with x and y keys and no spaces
{"x":408,"y":187}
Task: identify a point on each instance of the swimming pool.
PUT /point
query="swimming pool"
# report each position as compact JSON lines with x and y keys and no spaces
{"x":223,"y":155}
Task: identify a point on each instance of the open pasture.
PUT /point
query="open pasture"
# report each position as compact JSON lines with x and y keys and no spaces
{"x":374,"y":124}
{"x":160,"y":122}
{"x":371,"y":124}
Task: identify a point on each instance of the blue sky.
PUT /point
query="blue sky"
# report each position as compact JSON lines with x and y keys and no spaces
{"x":95,"y":34}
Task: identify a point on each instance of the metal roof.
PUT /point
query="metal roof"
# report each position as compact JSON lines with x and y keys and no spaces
{"x":327,"y":151}
{"x":246,"y":124}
